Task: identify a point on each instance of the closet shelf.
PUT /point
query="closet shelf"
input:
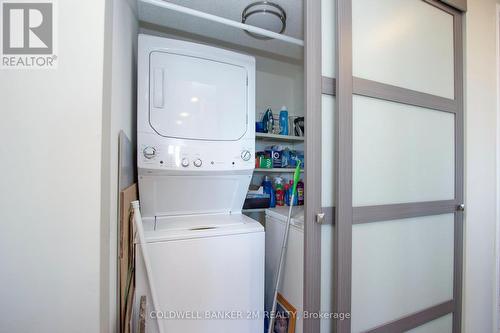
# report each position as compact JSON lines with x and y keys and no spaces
{"x":203,"y":24}
{"x":253,"y":210}
{"x":278,"y":137}
{"x":277,"y":170}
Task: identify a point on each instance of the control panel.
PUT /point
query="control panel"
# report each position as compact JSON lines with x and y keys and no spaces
{"x":178,"y":157}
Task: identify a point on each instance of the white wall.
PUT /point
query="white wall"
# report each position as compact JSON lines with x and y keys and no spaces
{"x":50,"y":136}
{"x":121,"y":115}
{"x":480,"y":192}
{"x":279,"y":83}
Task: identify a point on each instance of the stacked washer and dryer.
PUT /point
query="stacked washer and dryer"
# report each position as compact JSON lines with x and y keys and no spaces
{"x":195,"y":155}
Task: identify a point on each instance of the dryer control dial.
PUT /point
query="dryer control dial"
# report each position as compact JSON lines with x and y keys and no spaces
{"x":149,"y":152}
{"x":197,"y":163}
{"x":246,"y":155}
{"x":185,"y":162}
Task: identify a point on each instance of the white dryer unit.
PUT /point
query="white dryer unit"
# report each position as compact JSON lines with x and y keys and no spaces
{"x":195,"y":127}
{"x":195,"y":155}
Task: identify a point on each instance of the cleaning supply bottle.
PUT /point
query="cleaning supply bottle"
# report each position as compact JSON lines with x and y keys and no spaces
{"x":280,"y":193}
{"x":272,"y":204}
{"x":268,"y":121}
{"x":268,"y":189}
{"x":273,"y":198}
{"x":300,"y":192}
{"x":284,"y":121}
{"x":266,"y":183}
{"x":287,"y":194}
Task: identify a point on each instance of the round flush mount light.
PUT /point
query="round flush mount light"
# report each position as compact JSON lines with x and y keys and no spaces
{"x":266,"y":15}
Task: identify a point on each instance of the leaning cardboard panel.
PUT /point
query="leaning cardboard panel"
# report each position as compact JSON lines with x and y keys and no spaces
{"x":126,"y":257}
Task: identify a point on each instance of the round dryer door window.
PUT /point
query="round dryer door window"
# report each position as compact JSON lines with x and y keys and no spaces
{"x":197,"y":98}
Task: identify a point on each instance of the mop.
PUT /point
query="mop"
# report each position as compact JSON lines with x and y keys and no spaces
{"x":145,"y":256}
{"x":296,"y":178}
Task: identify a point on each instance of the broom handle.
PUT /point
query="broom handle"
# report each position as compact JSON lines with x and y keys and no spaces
{"x":284,"y":245}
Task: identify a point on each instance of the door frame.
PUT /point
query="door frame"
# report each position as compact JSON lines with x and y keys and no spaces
{"x":496,"y":310}
{"x":312,"y":151}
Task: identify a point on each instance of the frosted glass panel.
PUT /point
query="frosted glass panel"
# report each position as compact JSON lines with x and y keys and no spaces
{"x":327,"y":151}
{"x":328,"y":38}
{"x":440,"y":325}
{"x":327,"y":200}
{"x":406,"y":265}
{"x":404,"y":43}
{"x":401,"y":153}
{"x":327,"y":251}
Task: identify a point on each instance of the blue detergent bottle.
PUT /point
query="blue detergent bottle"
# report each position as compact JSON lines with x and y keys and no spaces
{"x":284,"y":121}
{"x":267,"y":185}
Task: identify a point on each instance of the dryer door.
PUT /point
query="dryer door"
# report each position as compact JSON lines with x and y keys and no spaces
{"x":197,"y":98}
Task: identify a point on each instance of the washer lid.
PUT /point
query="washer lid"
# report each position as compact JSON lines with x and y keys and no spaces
{"x":179,"y":194}
{"x":281,"y":214}
{"x":199,"y":226}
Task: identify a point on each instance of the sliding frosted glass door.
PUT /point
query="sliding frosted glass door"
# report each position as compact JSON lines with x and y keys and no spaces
{"x":399,"y":157}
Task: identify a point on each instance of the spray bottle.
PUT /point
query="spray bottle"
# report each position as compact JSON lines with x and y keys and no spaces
{"x":300,"y":193}
{"x":280,"y":193}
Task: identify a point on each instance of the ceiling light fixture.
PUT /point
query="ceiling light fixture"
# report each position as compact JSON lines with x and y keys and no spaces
{"x":266,"y":15}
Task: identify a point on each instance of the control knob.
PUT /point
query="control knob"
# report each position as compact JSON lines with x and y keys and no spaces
{"x":185,"y":162}
{"x":197,"y":163}
{"x":149,"y":152}
{"x":246,"y":155}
